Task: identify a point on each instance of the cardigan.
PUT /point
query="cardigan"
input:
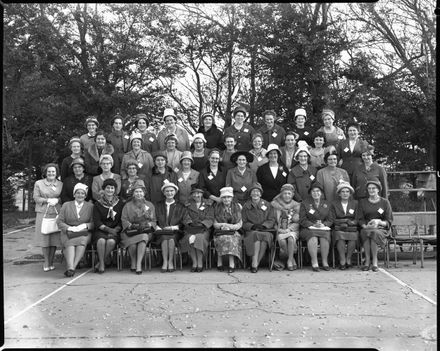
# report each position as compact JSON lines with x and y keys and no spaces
{"x":241,"y":182}
{"x":91,"y":158}
{"x":276,"y":135}
{"x":243,"y":136}
{"x":271,"y":186}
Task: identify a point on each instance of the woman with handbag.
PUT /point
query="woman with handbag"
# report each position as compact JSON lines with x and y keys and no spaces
{"x":76,"y":223}
{"x":138,"y":223}
{"x":107,"y":219}
{"x":227,"y":222}
{"x":47,"y":193}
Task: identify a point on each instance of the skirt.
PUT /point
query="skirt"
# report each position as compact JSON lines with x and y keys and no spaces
{"x":342,"y":235}
{"x":228,"y":245}
{"x":255,"y":235}
{"x":306,"y":234}
{"x":379,"y":236}
{"x":127,"y":241}
{"x":45,"y":240}
{"x":201,"y":241}
{"x":159,"y":238}
{"x":292,"y":234}
{"x":99,"y":234}
{"x":78,"y":241}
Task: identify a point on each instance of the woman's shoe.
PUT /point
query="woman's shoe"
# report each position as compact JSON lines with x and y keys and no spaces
{"x":254,"y":269}
{"x":100,"y":271}
{"x":326,"y":268}
{"x":199,"y":269}
{"x":342,"y":267}
{"x":171,"y":270}
{"x":51,"y":268}
{"x":315,"y":269}
{"x":46,"y":269}
{"x":231,"y":270}
{"x":138,"y":272}
{"x":366,"y":268}
{"x":220,"y":268}
{"x":194,"y":269}
{"x":133,"y":270}
{"x":292,"y":267}
{"x":69,"y":273}
{"x":348,"y":265}
{"x":375,"y":269}
{"x":163,"y":270}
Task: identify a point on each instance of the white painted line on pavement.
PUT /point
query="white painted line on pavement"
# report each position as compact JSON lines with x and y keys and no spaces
{"x":408,"y":286}
{"x":46,"y":297}
{"x":18,"y":230}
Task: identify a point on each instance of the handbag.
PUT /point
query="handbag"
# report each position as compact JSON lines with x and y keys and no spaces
{"x":72,"y":235}
{"x":49,"y":225}
{"x":132,"y":232}
{"x":220,"y":232}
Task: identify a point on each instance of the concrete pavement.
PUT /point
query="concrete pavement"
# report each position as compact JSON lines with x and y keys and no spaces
{"x":213,"y":309}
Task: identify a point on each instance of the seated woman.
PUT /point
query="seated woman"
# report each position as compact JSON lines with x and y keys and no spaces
{"x":241,"y":177}
{"x":199,"y":152}
{"x":287,"y":220}
{"x":75,"y":222}
{"x":131,"y":169}
{"x":92,"y":155}
{"x":227,"y":222}
{"x":258,"y":223}
{"x":78,"y":167}
{"x":375,"y":217}
{"x":199,"y":218}
{"x":106,"y":163}
{"x":138,"y":222}
{"x":315,"y":223}
{"x":186,"y":177}
{"x":343,"y":215}
{"x":107,"y":220}
{"x":170,"y":216}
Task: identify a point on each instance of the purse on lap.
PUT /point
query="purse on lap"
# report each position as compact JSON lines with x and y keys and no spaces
{"x":72,"y":235}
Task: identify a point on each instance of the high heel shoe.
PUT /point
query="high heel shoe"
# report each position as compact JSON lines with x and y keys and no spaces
{"x":138,"y":272}
{"x":194,"y":269}
{"x":231,"y":269}
{"x":315,"y":269}
{"x":220,"y":268}
{"x":199,"y":269}
{"x":46,"y":269}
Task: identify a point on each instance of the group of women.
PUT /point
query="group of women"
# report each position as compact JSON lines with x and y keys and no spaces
{"x":245,"y":189}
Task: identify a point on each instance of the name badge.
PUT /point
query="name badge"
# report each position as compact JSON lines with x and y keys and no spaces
{"x":312,"y":177}
{"x":201,"y":208}
{"x":306,"y":133}
{"x":380,"y":211}
{"x":274,"y":134}
{"x":146,"y":208}
{"x":312,"y":211}
{"x":346,"y":149}
{"x":351,"y":211}
{"x":259,"y":159}
{"x":264,"y":207}
{"x":140,"y":165}
{"x":126,"y":137}
{"x":151,"y":139}
{"x":243,"y":188}
{"x":210,"y":177}
{"x":180,"y":180}
{"x":284,"y":174}
{"x":246,"y":130}
{"x":340,"y":137}
{"x":176,"y":169}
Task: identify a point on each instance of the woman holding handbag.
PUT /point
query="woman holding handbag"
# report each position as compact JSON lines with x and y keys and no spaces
{"x":47,"y":193}
{"x":76,"y":223}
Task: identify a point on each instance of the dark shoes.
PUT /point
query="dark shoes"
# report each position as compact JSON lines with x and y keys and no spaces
{"x":199,"y":269}
{"x":138,"y":272}
{"x":375,"y":269}
{"x":348,"y":266}
{"x":366,"y":268}
{"x":254,"y":269}
{"x":133,"y":270}
{"x":342,"y":267}
{"x":220,"y":268}
{"x":292,"y":268}
{"x":231,"y":270}
{"x":69,"y":273}
{"x":326,"y":268}
{"x":315,"y":269}
{"x":194,"y":269}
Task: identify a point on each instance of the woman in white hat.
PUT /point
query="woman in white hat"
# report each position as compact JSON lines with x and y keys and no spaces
{"x":186,"y":177}
{"x":272,"y":175}
{"x":173,"y":155}
{"x":213,"y":177}
{"x":227,"y":222}
{"x":138,"y":223}
{"x":199,"y":151}
{"x":303,"y":174}
{"x":76,"y":223}
{"x":241,"y":177}
{"x":241,"y":130}
{"x":79,"y":176}
{"x":199,"y":218}
{"x":149,"y":139}
{"x":258,"y":223}
{"x":88,"y":139}
{"x":170,"y":119}
{"x":106,"y":163}
{"x":143,"y":158}
{"x":170,"y":216}
{"x":258,"y":151}
{"x":333,"y":134}
{"x":95,"y":151}
{"x":75,"y":148}
{"x":213,"y":136}
{"x":304,"y":132}
{"x":343,"y":212}
{"x":159,"y":173}
{"x":330,"y":176}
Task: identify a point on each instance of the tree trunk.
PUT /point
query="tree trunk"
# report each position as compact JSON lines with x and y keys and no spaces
{"x":252,"y":92}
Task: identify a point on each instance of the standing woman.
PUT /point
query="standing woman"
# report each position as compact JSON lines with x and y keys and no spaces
{"x":369,"y":170}
{"x":88,"y":139}
{"x":78,"y":176}
{"x":315,"y":223}
{"x":199,"y":152}
{"x":303,"y":174}
{"x":213,"y":177}
{"x":93,"y":154}
{"x":304,"y":132}
{"x":241,"y":131}
{"x":258,"y":223}
{"x":333,"y":134}
{"x":173,"y":155}
{"x":143,"y":158}
{"x":186,"y":177}
{"x":258,"y":152}
{"x":170,"y":119}
{"x":343,"y":213}
{"x":241,"y":177}
{"x":107,"y":220}
{"x":170,"y":220}
{"x":227,"y":222}
{"x":288,"y":151}
{"x":131,"y":169}
{"x":106,"y":163}
{"x":46,"y":195}
{"x":199,"y":218}
{"x":350,"y":150}
{"x":75,"y":147}
{"x":119,"y":139}
{"x":226,"y":154}
{"x":272,"y":133}
{"x":330,"y":177}
{"x":272,"y":175}
{"x":287,"y":220}
{"x":318,"y":152}
{"x":375,"y":217}
{"x":76,"y":223}
{"x":213,"y":136}
{"x":148,"y":139}
{"x":158,"y":174}
{"x":138,"y":223}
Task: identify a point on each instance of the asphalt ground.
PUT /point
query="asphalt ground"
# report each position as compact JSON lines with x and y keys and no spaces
{"x":393,"y":309}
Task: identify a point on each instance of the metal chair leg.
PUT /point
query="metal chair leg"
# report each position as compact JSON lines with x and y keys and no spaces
{"x":421,"y":254}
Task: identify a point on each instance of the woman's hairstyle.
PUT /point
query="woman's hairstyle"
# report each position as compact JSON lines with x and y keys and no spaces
{"x":353,"y":124}
{"x":101,"y":132}
{"x":319,"y":135}
{"x":45,"y":167}
{"x":330,"y":153}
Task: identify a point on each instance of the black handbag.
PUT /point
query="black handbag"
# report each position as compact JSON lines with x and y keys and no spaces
{"x":220,"y":232}
{"x":132,"y":232}
{"x":72,"y":235}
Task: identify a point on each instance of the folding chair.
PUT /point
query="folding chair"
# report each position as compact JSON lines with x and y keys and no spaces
{"x":276,"y":247}
{"x":357,"y":251}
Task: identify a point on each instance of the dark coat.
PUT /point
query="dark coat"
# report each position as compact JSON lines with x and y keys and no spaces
{"x":243,"y":137}
{"x":271,"y":186}
{"x":154,"y":183}
{"x":70,"y":182}
{"x":100,"y":215}
{"x":120,"y":142}
{"x":262,"y":214}
{"x":361,"y":175}
{"x":277,"y":135}
{"x":350,"y":160}
{"x":176,"y":216}
{"x":211,"y":184}
{"x":214,"y":137}
{"x":91,"y":158}
{"x":309,"y":213}
{"x":302,"y":180}
{"x":204,"y":215}
{"x":337,"y":214}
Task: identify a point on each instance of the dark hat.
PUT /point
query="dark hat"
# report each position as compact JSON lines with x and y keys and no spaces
{"x":140,"y":116}
{"x":196,"y":188}
{"x":315,"y":185}
{"x":375,"y":182}
{"x":138,"y":184}
{"x":239,"y":109}
{"x":109,"y":181}
{"x":248,"y":155}
{"x":160,"y":153}
{"x":78,"y":161}
{"x":256,"y":186}
{"x":171,"y":137}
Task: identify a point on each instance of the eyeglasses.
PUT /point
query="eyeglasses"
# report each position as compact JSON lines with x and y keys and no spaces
{"x":198,"y":142}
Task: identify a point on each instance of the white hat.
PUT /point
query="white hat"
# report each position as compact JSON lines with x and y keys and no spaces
{"x":300,"y":112}
{"x":135,"y":135}
{"x":344,"y":185}
{"x":199,"y":136}
{"x":302,"y":146}
{"x":80,"y":186}
{"x":168,"y":184}
{"x":227,"y":191}
{"x":106,"y":157}
{"x":272,"y":147}
{"x":169,"y":112}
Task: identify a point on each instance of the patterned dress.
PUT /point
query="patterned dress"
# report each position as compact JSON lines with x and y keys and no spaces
{"x":228,"y":244}
{"x":144,"y":214}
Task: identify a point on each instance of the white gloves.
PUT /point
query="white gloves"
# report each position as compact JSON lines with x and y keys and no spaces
{"x":52,"y":201}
